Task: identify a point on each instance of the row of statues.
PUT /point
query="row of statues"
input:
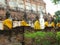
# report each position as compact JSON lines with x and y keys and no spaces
{"x":38,"y":24}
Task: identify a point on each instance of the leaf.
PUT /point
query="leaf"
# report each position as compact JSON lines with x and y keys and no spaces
{"x":55,"y":1}
{"x":58,"y":36}
{"x":41,"y":34}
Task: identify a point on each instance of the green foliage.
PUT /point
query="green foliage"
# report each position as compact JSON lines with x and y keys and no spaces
{"x":30,"y":35}
{"x":50,"y":34}
{"x":44,"y":38}
{"x":58,"y":36}
{"x":36,"y":34}
{"x":46,"y":42}
{"x":41,"y":34}
{"x":57,"y":13}
{"x":38,"y":41}
{"x":56,"y":1}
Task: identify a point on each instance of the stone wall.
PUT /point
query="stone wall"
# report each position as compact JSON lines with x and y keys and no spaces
{"x":14,"y":36}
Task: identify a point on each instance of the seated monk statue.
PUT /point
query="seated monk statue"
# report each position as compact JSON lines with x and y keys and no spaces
{"x":7,"y":23}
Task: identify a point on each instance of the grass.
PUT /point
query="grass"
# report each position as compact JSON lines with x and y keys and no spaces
{"x":44,"y":38}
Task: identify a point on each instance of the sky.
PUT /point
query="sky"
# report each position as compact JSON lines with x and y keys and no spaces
{"x":50,"y":7}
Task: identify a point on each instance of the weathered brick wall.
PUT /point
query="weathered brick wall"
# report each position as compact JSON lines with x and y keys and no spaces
{"x":2,"y":14}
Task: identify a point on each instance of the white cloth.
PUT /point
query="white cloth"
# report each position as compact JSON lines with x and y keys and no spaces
{"x":41,"y":20}
{"x":1,"y":25}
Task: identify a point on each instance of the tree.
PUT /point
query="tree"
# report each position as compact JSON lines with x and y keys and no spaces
{"x":56,"y":1}
{"x":57,"y":13}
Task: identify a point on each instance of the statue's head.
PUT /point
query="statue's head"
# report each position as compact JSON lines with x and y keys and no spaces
{"x":7,"y":14}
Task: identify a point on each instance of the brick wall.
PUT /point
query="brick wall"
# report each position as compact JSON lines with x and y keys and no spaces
{"x":19,"y":14}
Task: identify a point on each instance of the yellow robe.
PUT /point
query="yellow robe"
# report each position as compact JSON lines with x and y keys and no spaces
{"x":46,"y":24}
{"x":37,"y":25}
{"x":52,"y":24}
{"x":7,"y":23}
{"x":23,"y":23}
{"x":58,"y":24}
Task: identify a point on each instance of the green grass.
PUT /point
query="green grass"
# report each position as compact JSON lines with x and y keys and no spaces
{"x":45,"y":38}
